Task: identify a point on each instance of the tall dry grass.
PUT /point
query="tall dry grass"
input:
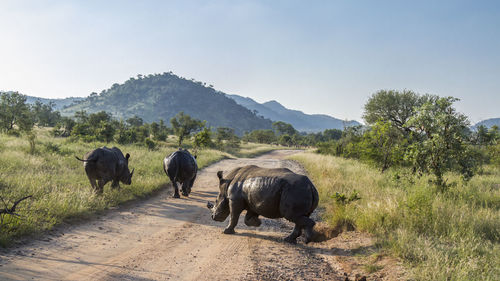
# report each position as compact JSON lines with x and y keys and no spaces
{"x":452,"y":235}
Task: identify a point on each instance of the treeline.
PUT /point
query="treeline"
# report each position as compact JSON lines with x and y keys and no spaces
{"x":18,"y":116}
{"x":423,"y":132}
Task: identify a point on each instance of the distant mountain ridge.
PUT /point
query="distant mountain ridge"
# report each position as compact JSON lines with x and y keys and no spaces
{"x":162,"y":96}
{"x":58,"y":103}
{"x":299,"y":120}
{"x":488,"y":123}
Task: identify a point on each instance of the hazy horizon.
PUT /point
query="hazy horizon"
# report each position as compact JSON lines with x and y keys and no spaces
{"x":324,"y":57}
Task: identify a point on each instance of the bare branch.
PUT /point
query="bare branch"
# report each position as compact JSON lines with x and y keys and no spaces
{"x":12,"y":209}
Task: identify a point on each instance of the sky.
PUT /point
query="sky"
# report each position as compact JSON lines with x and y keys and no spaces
{"x":323,"y":57}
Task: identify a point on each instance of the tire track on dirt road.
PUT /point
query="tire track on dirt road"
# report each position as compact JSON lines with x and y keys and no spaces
{"x":171,"y":239}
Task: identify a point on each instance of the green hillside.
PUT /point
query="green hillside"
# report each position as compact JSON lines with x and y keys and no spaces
{"x":161,"y":96}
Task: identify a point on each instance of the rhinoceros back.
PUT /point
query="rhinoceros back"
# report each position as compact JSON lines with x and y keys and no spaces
{"x":180,"y":165}
{"x":275,"y":193}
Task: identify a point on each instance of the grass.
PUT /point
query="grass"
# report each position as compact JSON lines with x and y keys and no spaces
{"x":60,"y":188}
{"x":452,"y":235}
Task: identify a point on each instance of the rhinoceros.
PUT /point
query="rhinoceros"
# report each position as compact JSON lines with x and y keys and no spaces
{"x":181,"y":166}
{"x":272,"y":193}
{"x":107,"y":164}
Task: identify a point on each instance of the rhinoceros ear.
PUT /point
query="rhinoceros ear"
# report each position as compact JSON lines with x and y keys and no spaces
{"x":127,"y":156}
{"x":219,"y":174}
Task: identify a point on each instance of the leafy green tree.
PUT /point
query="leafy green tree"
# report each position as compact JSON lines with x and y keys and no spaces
{"x":64,"y":127}
{"x":282,"y":128}
{"x":15,"y":111}
{"x":393,"y":106}
{"x":81,"y":116}
{"x":286,"y":140}
{"x":380,"y":145}
{"x":442,"y":132}
{"x":261,"y":136}
{"x":135,"y":121}
{"x":45,"y":115}
{"x":203,"y":138}
{"x":184,"y":125}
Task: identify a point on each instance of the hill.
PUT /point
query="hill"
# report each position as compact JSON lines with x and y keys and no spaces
{"x":162,"y":96}
{"x":58,"y":103}
{"x":488,"y":123}
{"x":302,"y":122}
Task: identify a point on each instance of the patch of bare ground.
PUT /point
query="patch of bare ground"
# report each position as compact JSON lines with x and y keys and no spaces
{"x":163,"y":238}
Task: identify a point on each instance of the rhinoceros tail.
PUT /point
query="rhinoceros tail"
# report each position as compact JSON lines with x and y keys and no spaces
{"x":315,"y":196}
{"x":84,"y":160}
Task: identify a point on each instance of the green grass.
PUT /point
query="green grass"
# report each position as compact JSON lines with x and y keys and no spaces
{"x":59,"y":185}
{"x":452,"y":235}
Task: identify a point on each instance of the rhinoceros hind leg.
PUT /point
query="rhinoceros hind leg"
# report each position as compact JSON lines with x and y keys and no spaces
{"x":100,"y":184}
{"x":186,"y":189}
{"x":176,"y":189}
{"x":292,"y":238}
{"x":252,"y":219}
{"x":302,"y":222}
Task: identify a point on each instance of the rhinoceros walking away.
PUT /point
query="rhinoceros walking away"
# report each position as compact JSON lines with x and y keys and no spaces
{"x":181,"y":166}
{"x":107,"y":164}
{"x":272,"y":193}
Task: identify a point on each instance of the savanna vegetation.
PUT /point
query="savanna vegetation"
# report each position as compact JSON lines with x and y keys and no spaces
{"x":38,"y":161}
{"x":420,"y":180}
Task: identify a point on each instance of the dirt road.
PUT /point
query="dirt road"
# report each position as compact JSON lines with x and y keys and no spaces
{"x":174,"y":239}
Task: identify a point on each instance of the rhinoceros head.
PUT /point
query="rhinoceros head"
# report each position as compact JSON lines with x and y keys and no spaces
{"x":126,"y":176}
{"x":220,"y":211}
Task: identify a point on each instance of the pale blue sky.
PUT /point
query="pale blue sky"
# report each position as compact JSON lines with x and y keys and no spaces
{"x":315,"y":56}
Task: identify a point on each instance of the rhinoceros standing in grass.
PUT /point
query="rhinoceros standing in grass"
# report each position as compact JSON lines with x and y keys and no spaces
{"x":181,"y":166}
{"x":272,"y":193}
{"x":107,"y":164}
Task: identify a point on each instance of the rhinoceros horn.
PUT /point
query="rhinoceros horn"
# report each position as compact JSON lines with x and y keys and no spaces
{"x":132,"y":172}
{"x":210,"y":205}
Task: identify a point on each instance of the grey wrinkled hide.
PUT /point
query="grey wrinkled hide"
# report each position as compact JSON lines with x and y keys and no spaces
{"x":181,"y":167}
{"x":106,"y":164}
{"x":272,"y":193}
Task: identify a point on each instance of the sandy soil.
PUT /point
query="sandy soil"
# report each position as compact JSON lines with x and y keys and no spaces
{"x":164,"y":238}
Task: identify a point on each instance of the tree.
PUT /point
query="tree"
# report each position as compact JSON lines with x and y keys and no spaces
{"x":184,"y":125}
{"x":261,"y":136}
{"x":135,"y":121}
{"x":45,"y":115}
{"x":393,"y":106}
{"x":203,"y":138}
{"x":15,"y":111}
{"x":442,"y":132}
{"x":380,"y":144}
{"x":282,"y":128}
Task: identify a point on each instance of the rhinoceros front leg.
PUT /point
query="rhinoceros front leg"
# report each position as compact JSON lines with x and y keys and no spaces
{"x":252,"y":219}
{"x":235,"y":208}
{"x":115,"y":184}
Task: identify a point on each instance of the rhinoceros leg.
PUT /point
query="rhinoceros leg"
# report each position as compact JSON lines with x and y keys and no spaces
{"x":100,"y":184}
{"x":92,"y":183}
{"x":292,"y":238}
{"x":235,"y":208}
{"x":176,"y":188}
{"x":302,"y":222}
{"x":252,"y":219}
{"x":115,"y":184}
{"x":185,"y":188}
